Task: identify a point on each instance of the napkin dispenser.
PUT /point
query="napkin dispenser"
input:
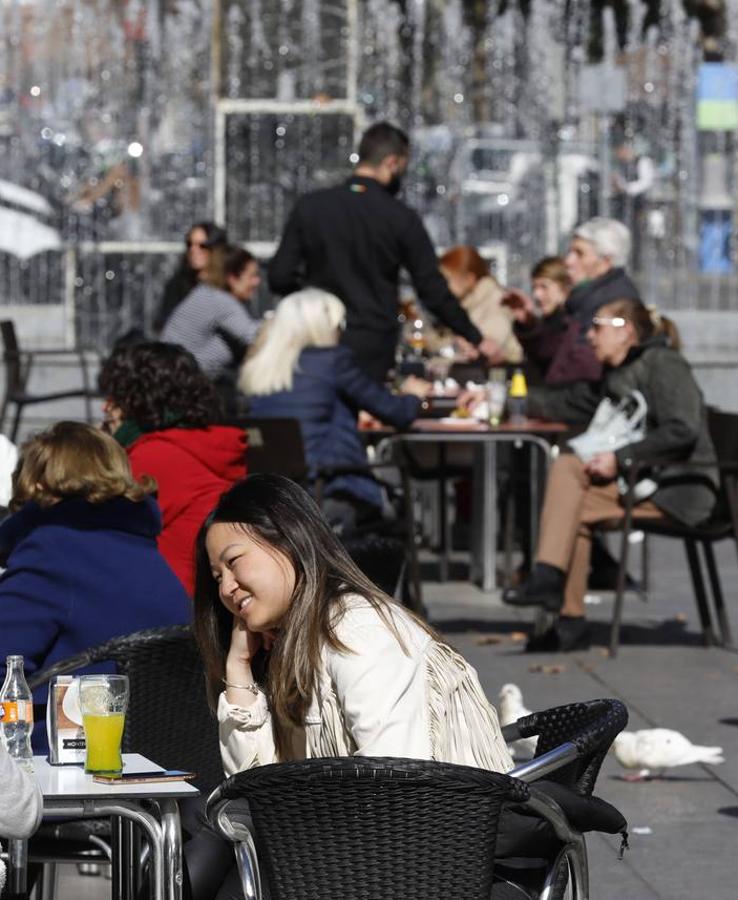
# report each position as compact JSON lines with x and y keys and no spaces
{"x":64,"y":722}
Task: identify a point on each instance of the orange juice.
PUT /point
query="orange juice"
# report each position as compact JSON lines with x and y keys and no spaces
{"x":103,"y":735}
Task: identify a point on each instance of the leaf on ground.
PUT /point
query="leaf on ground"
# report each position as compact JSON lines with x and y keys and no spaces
{"x":514,"y":637}
{"x":548,"y":668}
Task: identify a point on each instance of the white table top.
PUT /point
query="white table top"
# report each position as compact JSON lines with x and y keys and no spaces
{"x":71,"y":783}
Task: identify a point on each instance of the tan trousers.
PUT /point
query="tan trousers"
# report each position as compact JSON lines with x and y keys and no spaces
{"x":570,"y":505}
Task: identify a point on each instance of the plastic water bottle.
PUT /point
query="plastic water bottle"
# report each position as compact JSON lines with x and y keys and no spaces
{"x":517,"y":398}
{"x":16,"y":713}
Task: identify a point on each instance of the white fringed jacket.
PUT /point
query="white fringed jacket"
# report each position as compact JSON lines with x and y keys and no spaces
{"x":379,"y":700}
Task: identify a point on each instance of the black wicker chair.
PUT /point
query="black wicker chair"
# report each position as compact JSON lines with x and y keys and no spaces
{"x":169,"y":720}
{"x":359,"y":828}
{"x":591,"y":726}
{"x":365,"y":828}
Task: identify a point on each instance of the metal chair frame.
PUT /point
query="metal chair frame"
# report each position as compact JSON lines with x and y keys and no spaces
{"x":704,"y":536}
{"x":574,"y":762}
{"x":18,"y":365}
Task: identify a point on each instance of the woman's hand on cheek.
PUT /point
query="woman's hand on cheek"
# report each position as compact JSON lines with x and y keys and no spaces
{"x":244,"y":644}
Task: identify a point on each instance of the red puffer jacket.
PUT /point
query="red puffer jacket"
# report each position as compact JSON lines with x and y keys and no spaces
{"x":192,"y":468}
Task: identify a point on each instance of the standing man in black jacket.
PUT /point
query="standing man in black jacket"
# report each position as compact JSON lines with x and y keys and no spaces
{"x":353,"y":239}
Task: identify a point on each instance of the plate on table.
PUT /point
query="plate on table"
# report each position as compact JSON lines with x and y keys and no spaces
{"x":457,"y":422}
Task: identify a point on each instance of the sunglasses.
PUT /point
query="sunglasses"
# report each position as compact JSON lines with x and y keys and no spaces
{"x":615,"y":321}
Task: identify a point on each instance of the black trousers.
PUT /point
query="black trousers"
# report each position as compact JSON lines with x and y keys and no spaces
{"x":374,"y":351}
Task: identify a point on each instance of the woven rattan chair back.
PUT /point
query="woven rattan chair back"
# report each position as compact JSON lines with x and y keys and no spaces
{"x":369,"y":828}
{"x":591,"y":725}
{"x":168,"y":720}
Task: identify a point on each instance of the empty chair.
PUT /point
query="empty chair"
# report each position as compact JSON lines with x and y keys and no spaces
{"x":17,"y":366}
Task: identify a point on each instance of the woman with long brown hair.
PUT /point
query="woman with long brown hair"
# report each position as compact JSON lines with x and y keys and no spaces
{"x":305,"y":657}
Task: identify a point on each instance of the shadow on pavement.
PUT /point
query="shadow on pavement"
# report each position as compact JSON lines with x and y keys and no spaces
{"x":668,"y":632}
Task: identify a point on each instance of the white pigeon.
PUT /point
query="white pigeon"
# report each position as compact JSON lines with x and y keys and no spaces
{"x":652,"y":750}
{"x":512,"y":709}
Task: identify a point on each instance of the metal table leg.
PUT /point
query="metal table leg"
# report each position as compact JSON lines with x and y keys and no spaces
{"x":172,"y":834}
{"x":132,"y":812}
{"x":485,"y":517}
{"x":17,"y":867}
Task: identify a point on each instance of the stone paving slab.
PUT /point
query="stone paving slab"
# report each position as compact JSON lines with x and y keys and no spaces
{"x":667,"y":679}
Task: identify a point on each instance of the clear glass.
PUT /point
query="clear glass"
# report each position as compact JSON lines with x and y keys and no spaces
{"x":496,"y":397}
{"x":104,"y":702}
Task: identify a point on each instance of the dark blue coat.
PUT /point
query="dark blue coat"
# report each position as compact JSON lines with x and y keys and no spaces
{"x":79,"y":573}
{"x":328,"y":390}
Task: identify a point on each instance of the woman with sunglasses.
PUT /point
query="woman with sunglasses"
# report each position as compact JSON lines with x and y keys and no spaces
{"x":639,"y":351}
{"x":299,"y":370}
{"x":202,"y":240}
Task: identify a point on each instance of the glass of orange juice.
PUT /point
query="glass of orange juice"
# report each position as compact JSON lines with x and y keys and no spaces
{"x":103,"y":700}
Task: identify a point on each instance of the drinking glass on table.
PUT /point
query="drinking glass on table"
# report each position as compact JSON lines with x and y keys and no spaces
{"x":103,"y":700}
{"x":496,"y":395}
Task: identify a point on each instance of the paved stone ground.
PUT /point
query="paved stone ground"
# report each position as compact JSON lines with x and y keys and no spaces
{"x":684,"y":833}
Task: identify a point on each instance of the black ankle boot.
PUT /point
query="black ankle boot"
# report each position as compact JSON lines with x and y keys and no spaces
{"x":574,"y":633}
{"x":568,"y":634}
{"x":545,"y":588}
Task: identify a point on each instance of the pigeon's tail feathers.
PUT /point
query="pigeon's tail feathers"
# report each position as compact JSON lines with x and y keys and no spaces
{"x":712,"y":756}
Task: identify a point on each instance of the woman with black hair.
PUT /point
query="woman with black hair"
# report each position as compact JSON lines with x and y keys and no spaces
{"x":163,"y":410}
{"x":201,"y":240}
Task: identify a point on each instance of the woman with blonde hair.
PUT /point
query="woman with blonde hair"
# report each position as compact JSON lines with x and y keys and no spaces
{"x":79,"y":551}
{"x":299,"y":370}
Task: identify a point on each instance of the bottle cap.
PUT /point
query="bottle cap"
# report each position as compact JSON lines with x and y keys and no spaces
{"x":518,"y":385}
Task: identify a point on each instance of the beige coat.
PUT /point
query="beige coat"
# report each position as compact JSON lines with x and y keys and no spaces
{"x":424,"y":702}
{"x":482,"y":304}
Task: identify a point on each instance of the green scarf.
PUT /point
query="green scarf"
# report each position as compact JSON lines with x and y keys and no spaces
{"x":129,"y":431}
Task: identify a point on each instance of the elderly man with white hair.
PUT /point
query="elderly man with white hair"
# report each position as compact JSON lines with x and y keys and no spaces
{"x":598,"y":252}
{"x":596,"y":260}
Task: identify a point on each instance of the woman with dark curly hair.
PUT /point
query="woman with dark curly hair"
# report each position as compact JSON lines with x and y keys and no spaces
{"x":164,"y":410}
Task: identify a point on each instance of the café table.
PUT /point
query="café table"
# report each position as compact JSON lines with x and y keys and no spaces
{"x":537,"y":433}
{"x":71,"y":794}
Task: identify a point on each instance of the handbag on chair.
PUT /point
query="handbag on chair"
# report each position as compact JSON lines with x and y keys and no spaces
{"x":614,"y":426}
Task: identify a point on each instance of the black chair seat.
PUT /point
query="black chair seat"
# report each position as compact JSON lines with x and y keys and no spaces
{"x":712,"y":529}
